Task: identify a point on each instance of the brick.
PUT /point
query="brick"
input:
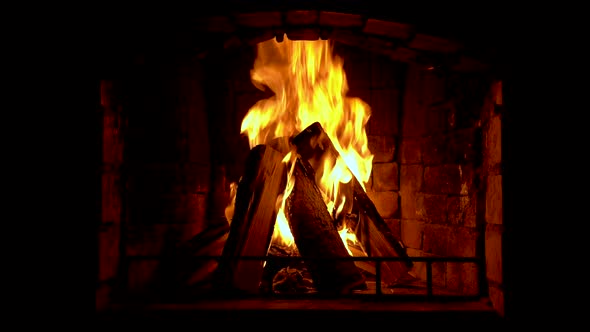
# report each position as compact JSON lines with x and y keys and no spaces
{"x":386,"y":203}
{"x":259,"y":19}
{"x":450,"y":241}
{"x":493,"y":253}
{"x":197,"y":178}
{"x":458,"y":147}
{"x":385,"y":177}
{"x":463,"y":277}
{"x":379,"y":45}
{"x":108,"y":252}
{"x":434,"y":88}
{"x":141,"y":275}
{"x":438,"y":119}
{"x":154,"y":240}
{"x":463,"y":242}
{"x":493,"y":142}
{"x":388,"y":28}
{"x":196,"y":212}
{"x":343,"y":20}
{"x":470,"y":279}
{"x":432,"y":208}
{"x":111,"y":197}
{"x":185,"y":208}
{"x":464,"y":146}
{"x":410,"y":183}
{"x":103,"y":297}
{"x":413,"y":103}
{"x":439,"y":276}
{"x":419,"y":268}
{"x":302,"y":17}
{"x":403,"y":54}
{"x":447,"y":179}
{"x":436,"y":239}
{"x":344,"y":37}
{"x":496,"y":295}
{"x":462,"y":210}
{"x":394,"y":226}
{"x":382,"y":147}
{"x":166,"y":207}
{"x":453,"y":273}
{"x":385,"y":105}
{"x":433,"y":44}
{"x":467,"y":64}
{"x":253,"y":37}
{"x":215,"y":24}
{"x":241,"y":79}
{"x":153,"y":178}
{"x":386,"y":73}
{"x":411,"y":233}
{"x":112,"y":140}
{"x":198,"y":144}
{"x":220,"y":194}
{"x":435,"y":150}
{"x":411,"y":151}
{"x":493,"y":214}
{"x":356,"y":65}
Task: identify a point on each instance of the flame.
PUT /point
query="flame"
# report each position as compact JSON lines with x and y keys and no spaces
{"x":347,"y":235}
{"x":309,"y":85}
{"x":282,"y":233}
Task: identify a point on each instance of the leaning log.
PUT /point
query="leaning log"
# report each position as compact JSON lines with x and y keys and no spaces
{"x":373,"y":233}
{"x":253,"y":221}
{"x":317,"y":238}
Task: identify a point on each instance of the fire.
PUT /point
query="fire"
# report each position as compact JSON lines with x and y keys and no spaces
{"x":309,"y":85}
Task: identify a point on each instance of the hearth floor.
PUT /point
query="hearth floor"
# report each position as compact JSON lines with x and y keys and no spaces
{"x":333,"y":313}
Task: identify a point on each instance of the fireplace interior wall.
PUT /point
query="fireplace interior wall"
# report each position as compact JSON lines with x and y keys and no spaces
{"x":172,"y":145}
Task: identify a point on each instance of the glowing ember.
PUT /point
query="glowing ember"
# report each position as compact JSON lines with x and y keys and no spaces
{"x":309,"y":85}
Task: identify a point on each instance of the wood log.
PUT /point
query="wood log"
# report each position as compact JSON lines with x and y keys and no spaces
{"x":366,"y":266}
{"x":253,"y":221}
{"x":370,"y":229}
{"x":317,"y":238}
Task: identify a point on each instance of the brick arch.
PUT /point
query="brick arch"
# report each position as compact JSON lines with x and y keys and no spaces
{"x":397,"y":40}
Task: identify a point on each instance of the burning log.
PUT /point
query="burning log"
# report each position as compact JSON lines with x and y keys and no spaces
{"x":316,"y":236}
{"x":253,"y":220}
{"x":370,"y":229}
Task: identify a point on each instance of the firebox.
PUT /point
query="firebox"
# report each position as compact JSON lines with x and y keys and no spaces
{"x":306,"y":157}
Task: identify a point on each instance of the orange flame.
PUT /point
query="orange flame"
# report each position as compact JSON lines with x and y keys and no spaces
{"x":309,"y":85}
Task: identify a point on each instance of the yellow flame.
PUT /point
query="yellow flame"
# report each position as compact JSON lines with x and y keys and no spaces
{"x":347,"y":236}
{"x":309,"y":85}
{"x":282,"y":232}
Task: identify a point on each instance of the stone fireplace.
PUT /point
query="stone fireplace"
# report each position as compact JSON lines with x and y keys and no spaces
{"x":171,"y":106}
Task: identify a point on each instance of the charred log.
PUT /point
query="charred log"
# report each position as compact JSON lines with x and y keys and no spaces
{"x":376,"y":238}
{"x":317,"y":238}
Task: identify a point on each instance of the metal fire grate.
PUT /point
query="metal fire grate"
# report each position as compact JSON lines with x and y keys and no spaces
{"x":423,"y":290}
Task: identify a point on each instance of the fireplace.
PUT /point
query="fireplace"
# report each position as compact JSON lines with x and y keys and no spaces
{"x":171,"y":110}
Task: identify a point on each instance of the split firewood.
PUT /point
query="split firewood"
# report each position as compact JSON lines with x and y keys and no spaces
{"x":253,"y":221}
{"x":366,"y":266}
